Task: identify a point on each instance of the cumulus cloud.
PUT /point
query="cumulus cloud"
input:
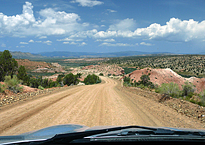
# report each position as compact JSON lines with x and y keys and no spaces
{"x":106,"y":40}
{"x":87,"y":3}
{"x":48,"y":42}
{"x":75,"y":43}
{"x":116,"y":44}
{"x":42,"y":37}
{"x":111,"y":11}
{"x":3,"y":45}
{"x":23,"y":43}
{"x":31,"y":41}
{"x":51,"y":22}
{"x":174,"y":30}
{"x":66,"y":42}
{"x":83,"y":43}
{"x":69,"y":39}
{"x":147,"y":44}
{"x":9,"y":24}
{"x":123,"y":25}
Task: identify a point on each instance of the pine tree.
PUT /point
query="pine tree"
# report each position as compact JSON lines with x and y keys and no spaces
{"x":8,"y":65}
{"x":22,"y":75}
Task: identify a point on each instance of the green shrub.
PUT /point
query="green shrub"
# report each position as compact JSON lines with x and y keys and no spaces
{"x":188,"y":89}
{"x":70,"y":79}
{"x":40,"y":87}
{"x":92,"y":79}
{"x":126,"y":79}
{"x":22,"y":75}
{"x":171,"y":89}
{"x":2,"y":88}
{"x":101,"y":74}
{"x":202,"y":97}
{"x":145,"y":81}
{"x":12,"y":84}
{"x":8,"y":65}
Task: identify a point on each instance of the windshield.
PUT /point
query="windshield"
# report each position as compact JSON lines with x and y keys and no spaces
{"x":101,"y":63}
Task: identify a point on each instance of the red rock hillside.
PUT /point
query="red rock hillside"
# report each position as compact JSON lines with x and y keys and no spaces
{"x":159,"y":76}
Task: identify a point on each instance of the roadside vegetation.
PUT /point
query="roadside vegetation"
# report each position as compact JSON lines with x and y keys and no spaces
{"x":92,"y":79}
{"x":12,"y":76}
{"x":169,"y":89}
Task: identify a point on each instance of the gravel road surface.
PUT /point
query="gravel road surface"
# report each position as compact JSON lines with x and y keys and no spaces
{"x":92,"y":105}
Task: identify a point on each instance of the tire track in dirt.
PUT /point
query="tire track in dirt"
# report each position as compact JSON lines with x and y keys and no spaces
{"x":17,"y":119}
{"x":27,"y":115}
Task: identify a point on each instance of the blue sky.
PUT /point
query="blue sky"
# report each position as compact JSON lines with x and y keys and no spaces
{"x":34,"y":26}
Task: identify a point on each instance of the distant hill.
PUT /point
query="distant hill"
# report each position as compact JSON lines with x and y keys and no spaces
{"x":66,"y":54}
{"x":25,"y":55}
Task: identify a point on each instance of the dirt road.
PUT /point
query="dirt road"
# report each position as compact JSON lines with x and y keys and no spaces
{"x":92,"y":105}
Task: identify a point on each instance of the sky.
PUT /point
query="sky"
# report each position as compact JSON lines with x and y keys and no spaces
{"x":175,"y":26}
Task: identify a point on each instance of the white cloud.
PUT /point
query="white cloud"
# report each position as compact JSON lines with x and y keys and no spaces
{"x":73,"y":43}
{"x":174,"y":30}
{"x":42,"y":37}
{"x":48,"y":42}
{"x":147,"y":44}
{"x":69,"y":39}
{"x":87,"y":3}
{"x":23,"y":43}
{"x":111,"y":11}
{"x":31,"y":41}
{"x":84,"y":34}
{"x":3,"y":45}
{"x":50,"y":22}
{"x":83,"y":43}
{"x":9,"y":24}
{"x":66,"y":42}
{"x":53,"y":22}
{"x":116,"y":44}
{"x":123,"y":25}
{"x":106,"y":40}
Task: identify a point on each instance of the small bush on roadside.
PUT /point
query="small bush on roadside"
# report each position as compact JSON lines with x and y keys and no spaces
{"x":188,"y":89}
{"x":171,"y":89}
{"x":92,"y":79}
{"x":12,"y":84}
{"x":101,"y":74}
{"x":70,"y":79}
{"x":144,"y":81}
{"x":40,"y":87}
{"x":2,"y":88}
{"x":202,"y":97}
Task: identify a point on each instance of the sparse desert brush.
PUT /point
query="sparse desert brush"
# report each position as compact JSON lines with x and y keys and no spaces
{"x":13,"y":84}
{"x":171,"y":89}
{"x":2,"y":88}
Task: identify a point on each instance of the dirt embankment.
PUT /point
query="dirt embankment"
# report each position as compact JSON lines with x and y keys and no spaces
{"x":159,"y":76}
{"x":103,"y":104}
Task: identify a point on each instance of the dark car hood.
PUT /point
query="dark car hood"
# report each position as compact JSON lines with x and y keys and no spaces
{"x":44,"y":133}
{"x":49,"y":132}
